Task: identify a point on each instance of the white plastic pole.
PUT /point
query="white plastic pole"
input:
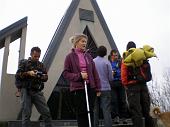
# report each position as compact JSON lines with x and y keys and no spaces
{"x":87,"y":101}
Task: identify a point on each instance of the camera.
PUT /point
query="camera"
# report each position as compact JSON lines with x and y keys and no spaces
{"x":39,"y":74}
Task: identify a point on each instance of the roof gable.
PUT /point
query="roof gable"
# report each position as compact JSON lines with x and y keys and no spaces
{"x":64,"y":24}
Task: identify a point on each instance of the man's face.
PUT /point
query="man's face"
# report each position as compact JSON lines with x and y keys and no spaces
{"x":35,"y":55}
{"x":114,"y":56}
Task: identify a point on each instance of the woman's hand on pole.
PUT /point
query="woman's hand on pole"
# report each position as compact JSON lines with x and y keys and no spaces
{"x":84,"y":75}
{"x":98,"y":94}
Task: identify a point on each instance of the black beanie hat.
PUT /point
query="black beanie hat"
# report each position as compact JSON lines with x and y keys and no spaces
{"x":130,"y":44}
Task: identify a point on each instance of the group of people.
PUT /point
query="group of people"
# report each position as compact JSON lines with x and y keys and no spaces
{"x":108,"y":87}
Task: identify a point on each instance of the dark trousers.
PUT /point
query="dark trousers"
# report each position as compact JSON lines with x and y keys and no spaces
{"x":28,"y":98}
{"x":119,"y":101}
{"x":139,"y":104}
{"x":80,"y":105}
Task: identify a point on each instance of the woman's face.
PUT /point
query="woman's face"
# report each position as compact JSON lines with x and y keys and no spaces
{"x":81,"y":44}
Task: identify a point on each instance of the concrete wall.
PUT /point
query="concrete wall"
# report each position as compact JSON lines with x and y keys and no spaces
{"x":10,"y":104}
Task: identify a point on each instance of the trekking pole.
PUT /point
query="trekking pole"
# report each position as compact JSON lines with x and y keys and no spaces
{"x":87,"y":101}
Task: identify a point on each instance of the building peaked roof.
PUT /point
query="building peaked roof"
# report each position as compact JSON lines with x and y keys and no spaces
{"x":62,"y":27}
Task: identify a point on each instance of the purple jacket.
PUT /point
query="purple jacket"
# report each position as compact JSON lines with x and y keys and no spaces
{"x":72,"y":72}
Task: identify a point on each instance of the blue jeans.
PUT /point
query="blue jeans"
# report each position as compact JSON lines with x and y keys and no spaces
{"x":29,"y":98}
{"x":103,"y":102}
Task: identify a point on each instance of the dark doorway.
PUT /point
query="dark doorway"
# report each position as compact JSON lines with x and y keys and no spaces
{"x":91,"y":45}
{"x":60,"y":101}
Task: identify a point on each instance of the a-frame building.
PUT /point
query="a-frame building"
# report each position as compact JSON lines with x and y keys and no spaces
{"x":82,"y":16}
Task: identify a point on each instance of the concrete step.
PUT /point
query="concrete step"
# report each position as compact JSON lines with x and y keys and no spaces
{"x":60,"y":123}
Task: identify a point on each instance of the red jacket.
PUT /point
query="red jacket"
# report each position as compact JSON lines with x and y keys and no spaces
{"x":124,"y":75}
{"x":73,"y":74}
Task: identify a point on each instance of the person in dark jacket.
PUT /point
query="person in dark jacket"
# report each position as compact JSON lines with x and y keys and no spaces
{"x":137,"y":94}
{"x":30,"y":78}
{"x":119,"y":103}
{"x":79,"y":67}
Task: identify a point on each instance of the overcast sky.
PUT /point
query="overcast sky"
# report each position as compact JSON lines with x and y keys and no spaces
{"x":141,"y":21}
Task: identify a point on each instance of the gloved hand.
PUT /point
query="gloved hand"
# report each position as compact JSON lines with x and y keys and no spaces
{"x":31,"y":73}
